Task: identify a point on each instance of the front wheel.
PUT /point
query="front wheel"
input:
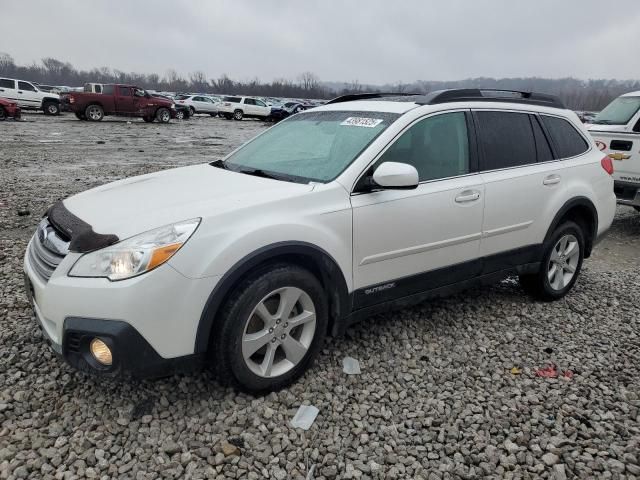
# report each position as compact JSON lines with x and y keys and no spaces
{"x":561,"y":263}
{"x":270,"y":329}
{"x":163,"y":115}
{"x":51,"y":108}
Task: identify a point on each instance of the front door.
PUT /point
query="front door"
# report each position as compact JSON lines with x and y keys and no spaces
{"x":28,"y":96}
{"x":124,"y":100}
{"x":408,"y":241}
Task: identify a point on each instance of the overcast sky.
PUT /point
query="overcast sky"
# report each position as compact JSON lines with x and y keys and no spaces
{"x":372,"y":41}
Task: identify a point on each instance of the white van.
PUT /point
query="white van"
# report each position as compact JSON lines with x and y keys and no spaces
{"x":616,"y":130}
{"x":29,"y":96}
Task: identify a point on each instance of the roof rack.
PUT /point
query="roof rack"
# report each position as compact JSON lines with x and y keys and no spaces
{"x":461,"y":95}
{"x":367,"y":96}
{"x":490,"y":95}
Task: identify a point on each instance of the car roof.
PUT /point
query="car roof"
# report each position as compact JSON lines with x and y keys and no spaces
{"x":631,"y":94}
{"x":368,"y":106}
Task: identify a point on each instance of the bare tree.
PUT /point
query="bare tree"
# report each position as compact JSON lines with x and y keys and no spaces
{"x":308,"y":81}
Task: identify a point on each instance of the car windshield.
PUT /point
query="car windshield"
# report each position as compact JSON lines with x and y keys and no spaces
{"x":618,"y":112}
{"x":311,"y":146}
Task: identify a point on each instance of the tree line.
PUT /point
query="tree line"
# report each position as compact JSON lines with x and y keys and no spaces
{"x":576,"y":94}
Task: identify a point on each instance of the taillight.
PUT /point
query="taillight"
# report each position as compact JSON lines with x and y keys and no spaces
{"x":607,"y":164}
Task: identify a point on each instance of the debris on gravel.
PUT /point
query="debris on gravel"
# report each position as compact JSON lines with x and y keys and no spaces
{"x":435,"y":398}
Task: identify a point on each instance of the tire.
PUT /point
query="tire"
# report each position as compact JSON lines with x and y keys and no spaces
{"x":51,"y":108}
{"x":80,"y":116}
{"x":294,"y":348}
{"x":228,"y":116}
{"x":637,"y":209}
{"x":148,"y":118}
{"x":192,"y":111}
{"x":180,"y":114}
{"x":3,"y":114}
{"x":238,"y":114}
{"x":94,"y":113}
{"x":163,"y":115}
{"x":559,"y":260}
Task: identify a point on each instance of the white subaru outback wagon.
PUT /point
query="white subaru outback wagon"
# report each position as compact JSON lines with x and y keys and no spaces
{"x":338,"y":212}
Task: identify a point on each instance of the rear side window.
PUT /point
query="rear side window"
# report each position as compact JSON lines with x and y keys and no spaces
{"x":506,"y":140}
{"x":232,"y":99}
{"x":98,"y":89}
{"x":5,"y":83}
{"x":543,"y":149}
{"x":567,"y":141}
{"x":249,"y":101}
{"x":107,"y":90}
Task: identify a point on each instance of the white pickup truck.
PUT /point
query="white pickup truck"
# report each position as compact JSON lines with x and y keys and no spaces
{"x":616,"y":130}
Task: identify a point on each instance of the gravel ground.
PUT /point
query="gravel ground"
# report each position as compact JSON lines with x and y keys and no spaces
{"x":436,"y":397}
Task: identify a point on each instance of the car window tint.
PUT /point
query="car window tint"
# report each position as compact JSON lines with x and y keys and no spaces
{"x":567,"y":141}
{"x":232,"y":99}
{"x":98,"y":88}
{"x":506,"y":139}
{"x":543,"y":149}
{"x":26,"y":86}
{"x":249,"y":101}
{"x":124,"y":91}
{"x":108,"y":90}
{"x":437,"y":146}
{"x":260,"y":104}
{"x":6,"y":83}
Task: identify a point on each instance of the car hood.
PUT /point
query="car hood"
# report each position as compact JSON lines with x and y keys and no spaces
{"x":138,"y":204}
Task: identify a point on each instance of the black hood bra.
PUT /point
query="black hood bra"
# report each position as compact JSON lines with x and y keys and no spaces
{"x":82,"y":238}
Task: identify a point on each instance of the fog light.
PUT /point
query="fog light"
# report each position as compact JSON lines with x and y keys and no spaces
{"x":100,"y":351}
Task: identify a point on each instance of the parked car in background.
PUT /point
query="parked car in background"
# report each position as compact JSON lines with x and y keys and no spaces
{"x":182,"y":111}
{"x":9,"y":109}
{"x":48,"y":88}
{"x":616,"y":130}
{"x":365,"y":204}
{"x":285,"y":110}
{"x":198,"y":104}
{"x":28,"y":96}
{"x":238,"y":107}
{"x":121,"y":100}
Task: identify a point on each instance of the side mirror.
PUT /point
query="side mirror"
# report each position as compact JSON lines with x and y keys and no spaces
{"x":395,"y":175}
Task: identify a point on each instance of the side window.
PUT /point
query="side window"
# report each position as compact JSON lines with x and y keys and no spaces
{"x":506,"y":140}
{"x":6,"y":83}
{"x":566,"y":139}
{"x":437,"y":146}
{"x":260,"y":103}
{"x":124,"y":91}
{"x":108,"y":90}
{"x":249,"y":101}
{"x":542,"y":145}
{"x":98,"y":88}
{"x":26,"y":86}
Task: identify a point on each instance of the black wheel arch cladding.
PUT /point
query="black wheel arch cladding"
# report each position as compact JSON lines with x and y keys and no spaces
{"x":579,"y":210}
{"x":303,"y":254}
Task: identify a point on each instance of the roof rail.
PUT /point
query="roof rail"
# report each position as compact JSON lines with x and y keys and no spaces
{"x":490,"y":95}
{"x":366,"y":96}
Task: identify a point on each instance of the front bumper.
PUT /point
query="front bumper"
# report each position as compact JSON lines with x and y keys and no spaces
{"x":149,"y":321}
{"x":627,"y":193}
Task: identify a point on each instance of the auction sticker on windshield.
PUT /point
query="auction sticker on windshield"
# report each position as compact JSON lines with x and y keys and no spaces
{"x":362,"y":122}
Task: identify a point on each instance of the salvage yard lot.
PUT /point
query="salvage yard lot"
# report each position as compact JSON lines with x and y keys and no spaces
{"x":436,"y":397}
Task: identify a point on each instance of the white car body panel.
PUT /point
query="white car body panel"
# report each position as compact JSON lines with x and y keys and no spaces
{"x":25,"y":97}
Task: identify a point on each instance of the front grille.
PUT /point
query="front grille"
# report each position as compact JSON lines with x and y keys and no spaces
{"x":73,"y":341}
{"x":47,"y":250}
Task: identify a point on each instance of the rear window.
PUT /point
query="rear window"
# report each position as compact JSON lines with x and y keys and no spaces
{"x":506,"y":140}
{"x":5,"y":83}
{"x":566,"y":139}
{"x":232,"y":99}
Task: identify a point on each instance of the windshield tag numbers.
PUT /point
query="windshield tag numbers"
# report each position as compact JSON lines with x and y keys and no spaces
{"x":362,"y":122}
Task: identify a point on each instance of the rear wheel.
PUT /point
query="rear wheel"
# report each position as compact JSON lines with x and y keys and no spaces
{"x":3,"y":114}
{"x":94,"y":113}
{"x":163,"y":115}
{"x":51,"y":108}
{"x":237,"y":115}
{"x":270,"y":330}
{"x":561,"y":263}
{"x":180,"y":114}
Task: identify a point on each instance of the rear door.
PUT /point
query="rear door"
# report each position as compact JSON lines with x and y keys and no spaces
{"x":8,"y":89}
{"x":28,"y":95}
{"x":523,"y":186}
{"x":408,"y":241}
{"x":124,"y":100}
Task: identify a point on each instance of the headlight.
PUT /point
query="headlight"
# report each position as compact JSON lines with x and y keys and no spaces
{"x":136,"y":255}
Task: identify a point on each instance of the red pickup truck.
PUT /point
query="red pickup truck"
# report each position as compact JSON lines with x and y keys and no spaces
{"x":122,"y":100}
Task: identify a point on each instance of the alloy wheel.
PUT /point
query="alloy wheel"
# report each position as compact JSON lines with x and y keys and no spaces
{"x":563,"y":262}
{"x":279,"y":332}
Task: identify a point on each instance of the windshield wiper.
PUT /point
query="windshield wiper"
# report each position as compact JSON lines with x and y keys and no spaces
{"x":220,"y":164}
{"x":259,"y":173}
{"x":602,"y":122}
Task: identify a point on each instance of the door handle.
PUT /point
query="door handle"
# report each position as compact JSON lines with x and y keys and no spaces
{"x":551,"y":180}
{"x":1,"y":89}
{"x":467,"y":196}
{"x":19,"y":91}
